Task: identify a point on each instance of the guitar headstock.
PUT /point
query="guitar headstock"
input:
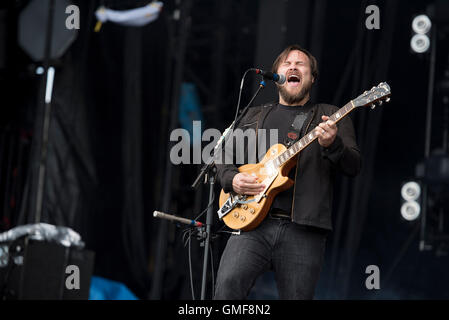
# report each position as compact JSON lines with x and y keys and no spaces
{"x":375,"y":96}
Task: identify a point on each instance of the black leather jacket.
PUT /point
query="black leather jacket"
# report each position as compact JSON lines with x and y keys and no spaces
{"x":316,"y":166}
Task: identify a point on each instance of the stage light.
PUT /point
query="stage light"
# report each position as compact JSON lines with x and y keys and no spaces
{"x":421,"y":24}
{"x":420,"y":43}
{"x":411,"y":191}
{"x":40,"y":70}
{"x":410,"y":197}
{"x":410,"y":210}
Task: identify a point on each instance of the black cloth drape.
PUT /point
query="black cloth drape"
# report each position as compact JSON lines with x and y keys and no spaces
{"x":104,"y":124}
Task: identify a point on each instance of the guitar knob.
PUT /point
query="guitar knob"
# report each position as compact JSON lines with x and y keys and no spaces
{"x":236,"y":214}
{"x":251,"y":210}
{"x":245,"y":206}
{"x":242,"y":218}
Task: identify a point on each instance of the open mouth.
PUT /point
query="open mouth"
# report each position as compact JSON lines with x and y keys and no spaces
{"x":293,"y":80}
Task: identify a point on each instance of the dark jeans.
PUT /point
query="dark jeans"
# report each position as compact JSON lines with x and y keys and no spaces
{"x":295,"y":253}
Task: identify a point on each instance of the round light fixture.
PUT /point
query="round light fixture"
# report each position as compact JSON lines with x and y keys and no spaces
{"x":420,"y":43}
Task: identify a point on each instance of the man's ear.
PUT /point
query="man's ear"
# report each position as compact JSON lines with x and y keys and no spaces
{"x":313,"y":79}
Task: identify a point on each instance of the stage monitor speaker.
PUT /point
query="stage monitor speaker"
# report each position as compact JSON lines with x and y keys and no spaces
{"x":39,"y":270}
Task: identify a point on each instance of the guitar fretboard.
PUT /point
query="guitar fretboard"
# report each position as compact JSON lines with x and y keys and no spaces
{"x":298,"y":146}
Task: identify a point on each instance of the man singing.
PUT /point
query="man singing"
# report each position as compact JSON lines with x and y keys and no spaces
{"x":291,"y":239}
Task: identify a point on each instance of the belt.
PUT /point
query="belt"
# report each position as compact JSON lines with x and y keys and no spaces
{"x":279,"y":214}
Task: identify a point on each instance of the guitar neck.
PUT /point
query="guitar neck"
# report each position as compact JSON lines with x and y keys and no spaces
{"x":298,"y":146}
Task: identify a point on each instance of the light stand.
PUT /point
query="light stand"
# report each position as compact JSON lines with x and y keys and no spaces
{"x":48,"y":77}
{"x":423,"y":245}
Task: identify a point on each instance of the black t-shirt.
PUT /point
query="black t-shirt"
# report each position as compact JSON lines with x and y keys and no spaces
{"x":288,"y":120}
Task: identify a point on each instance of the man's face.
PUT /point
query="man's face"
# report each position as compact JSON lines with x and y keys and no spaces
{"x":296,"y":88}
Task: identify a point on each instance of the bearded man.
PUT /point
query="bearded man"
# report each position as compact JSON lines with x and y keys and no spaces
{"x":291,"y":240}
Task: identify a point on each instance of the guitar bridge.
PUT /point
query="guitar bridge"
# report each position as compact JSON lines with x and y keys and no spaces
{"x":230,"y":204}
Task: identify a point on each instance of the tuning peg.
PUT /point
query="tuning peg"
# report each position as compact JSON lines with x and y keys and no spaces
{"x":380,"y":103}
{"x":387,"y":100}
{"x":373,"y":105}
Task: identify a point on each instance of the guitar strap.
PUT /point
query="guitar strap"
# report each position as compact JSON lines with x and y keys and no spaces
{"x":294,"y":131}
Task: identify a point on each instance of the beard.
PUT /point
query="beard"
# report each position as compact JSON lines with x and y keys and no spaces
{"x":296,"y":98}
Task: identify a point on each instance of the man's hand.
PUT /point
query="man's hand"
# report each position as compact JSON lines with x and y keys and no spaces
{"x":326,"y":132}
{"x":243,"y":183}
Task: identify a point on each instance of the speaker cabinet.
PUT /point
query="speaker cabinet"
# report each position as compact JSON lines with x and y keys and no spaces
{"x":40,"y":270}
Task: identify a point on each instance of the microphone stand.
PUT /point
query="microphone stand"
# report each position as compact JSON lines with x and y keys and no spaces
{"x":208,"y":173}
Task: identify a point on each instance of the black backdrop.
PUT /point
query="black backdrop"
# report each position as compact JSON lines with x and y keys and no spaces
{"x":103,"y":136}
{"x":109,"y":139}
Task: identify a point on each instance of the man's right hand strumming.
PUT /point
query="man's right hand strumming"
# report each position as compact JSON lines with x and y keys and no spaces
{"x":243,"y":183}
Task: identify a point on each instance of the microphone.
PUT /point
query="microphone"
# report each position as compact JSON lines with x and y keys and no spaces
{"x":278,"y":78}
{"x":162,"y":215}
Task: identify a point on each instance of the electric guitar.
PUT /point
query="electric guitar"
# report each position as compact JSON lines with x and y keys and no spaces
{"x":245,"y":212}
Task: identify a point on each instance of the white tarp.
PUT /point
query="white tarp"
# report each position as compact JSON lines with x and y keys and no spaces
{"x":44,"y":232}
{"x":134,"y":17}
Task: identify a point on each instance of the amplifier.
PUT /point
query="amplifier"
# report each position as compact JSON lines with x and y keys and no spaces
{"x":42,"y":270}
